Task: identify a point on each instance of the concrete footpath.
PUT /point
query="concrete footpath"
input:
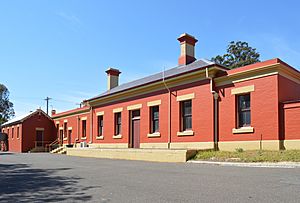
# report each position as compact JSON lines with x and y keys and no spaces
{"x":254,"y":165}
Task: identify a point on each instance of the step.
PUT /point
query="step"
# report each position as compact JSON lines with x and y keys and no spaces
{"x":37,"y":149}
{"x":62,"y":151}
{"x":157,"y":155}
{"x":54,"y":151}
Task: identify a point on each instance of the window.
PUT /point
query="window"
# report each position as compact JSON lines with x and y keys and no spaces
{"x":244,"y":112}
{"x":8,"y":132}
{"x":186,"y":115}
{"x":65,"y":129}
{"x":12,"y":133}
{"x":83,"y":128}
{"x":100,"y":126}
{"x":154,"y":118}
{"x":118,"y":123}
{"x":18,"y":132}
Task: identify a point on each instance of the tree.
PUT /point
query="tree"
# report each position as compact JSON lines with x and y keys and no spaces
{"x":238,"y":54}
{"x":6,"y":107}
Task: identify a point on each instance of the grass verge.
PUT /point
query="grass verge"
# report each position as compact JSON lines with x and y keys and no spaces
{"x":249,"y":156}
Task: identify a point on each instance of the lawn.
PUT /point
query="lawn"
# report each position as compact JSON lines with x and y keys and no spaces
{"x":249,"y":156}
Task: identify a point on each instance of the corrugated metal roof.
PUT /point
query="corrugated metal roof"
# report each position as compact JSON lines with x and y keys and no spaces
{"x":69,"y":112}
{"x":17,"y":119}
{"x":23,"y":117}
{"x":201,"y":63}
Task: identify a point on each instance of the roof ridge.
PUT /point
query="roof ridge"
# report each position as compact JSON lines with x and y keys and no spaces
{"x":179,"y":69}
{"x":24,"y":117}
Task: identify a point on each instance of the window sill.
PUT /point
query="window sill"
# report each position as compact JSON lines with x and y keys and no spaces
{"x":65,"y":138}
{"x":156,"y":134}
{"x":243,"y":130}
{"x":117,"y":136}
{"x":185,"y":133}
{"x":83,"y":138}
{"x":100,"y":137}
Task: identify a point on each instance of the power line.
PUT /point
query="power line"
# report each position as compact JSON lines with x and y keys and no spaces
{"x":61,"y":100}
{"x":47,"y":99}
{"x":39,"y":98}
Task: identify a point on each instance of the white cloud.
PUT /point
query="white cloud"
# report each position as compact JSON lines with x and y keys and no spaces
{"x":84,"y":93}
{"x":74,"y":20}
{"x":284,"y":48}
{"x":272,"y":45}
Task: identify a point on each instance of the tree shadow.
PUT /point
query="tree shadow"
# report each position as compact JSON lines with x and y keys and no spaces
{"x":20,"y":183}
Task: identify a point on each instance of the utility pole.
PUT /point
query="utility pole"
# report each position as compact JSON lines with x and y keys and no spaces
{"x":47,"y":100}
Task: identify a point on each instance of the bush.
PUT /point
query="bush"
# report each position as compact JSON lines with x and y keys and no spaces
{"x":239,"y":150}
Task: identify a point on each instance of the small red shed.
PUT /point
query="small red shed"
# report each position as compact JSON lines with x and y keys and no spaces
{"x":30,"y":132}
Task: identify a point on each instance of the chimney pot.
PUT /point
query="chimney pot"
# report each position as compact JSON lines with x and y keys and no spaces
{"x":112,"y":78}
{"x":187,"y":49}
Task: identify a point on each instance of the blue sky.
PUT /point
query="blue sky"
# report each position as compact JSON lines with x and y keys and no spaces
{"x":61,"y":49}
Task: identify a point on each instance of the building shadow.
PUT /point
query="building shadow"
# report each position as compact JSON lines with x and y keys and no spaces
{"x":20,"y":183}
{"x":6,"y":153}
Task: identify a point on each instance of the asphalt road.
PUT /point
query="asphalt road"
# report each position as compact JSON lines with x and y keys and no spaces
{"x":60,"y":178}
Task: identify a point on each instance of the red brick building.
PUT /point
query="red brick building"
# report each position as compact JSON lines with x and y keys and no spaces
{"x":198,"y":104}
{"x":32,"y":131}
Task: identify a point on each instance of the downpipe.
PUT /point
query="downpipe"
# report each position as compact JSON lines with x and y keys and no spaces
{"x":215,"y":108}
{"x":169,"y":111}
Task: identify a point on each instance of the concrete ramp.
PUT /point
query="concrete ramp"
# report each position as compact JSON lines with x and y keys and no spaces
{"x":157,"y":155}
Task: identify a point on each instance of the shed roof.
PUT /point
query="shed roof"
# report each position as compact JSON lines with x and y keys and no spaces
{"x":21,"y":118}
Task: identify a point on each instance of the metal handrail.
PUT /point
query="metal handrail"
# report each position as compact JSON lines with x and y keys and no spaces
{"x":55,"y":142}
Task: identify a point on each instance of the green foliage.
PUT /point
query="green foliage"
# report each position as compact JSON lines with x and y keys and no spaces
{"x":239,"y":150}
{"x":6,"y":107}
{"x":238,"y":54}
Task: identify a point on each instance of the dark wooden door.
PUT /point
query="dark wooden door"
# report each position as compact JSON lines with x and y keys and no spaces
{"x":61,"y":136}
{"x":69,"y":136}
{"x":39,"y":138}
{"x":135,"y":129}
{"x":136,"y":133}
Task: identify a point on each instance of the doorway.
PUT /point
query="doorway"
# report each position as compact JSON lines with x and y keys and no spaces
{"x":61,"y":136}
{"x":135,"y":129}
{"x":69,"y":136}
{"x":39,"y":138}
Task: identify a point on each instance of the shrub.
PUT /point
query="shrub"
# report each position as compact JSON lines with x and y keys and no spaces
{"x":239,"y":150}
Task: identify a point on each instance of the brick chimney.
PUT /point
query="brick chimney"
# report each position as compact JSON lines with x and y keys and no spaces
{"x":53,"y":112}
{"x":112,"y":78}
{"x":187,"y":49}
